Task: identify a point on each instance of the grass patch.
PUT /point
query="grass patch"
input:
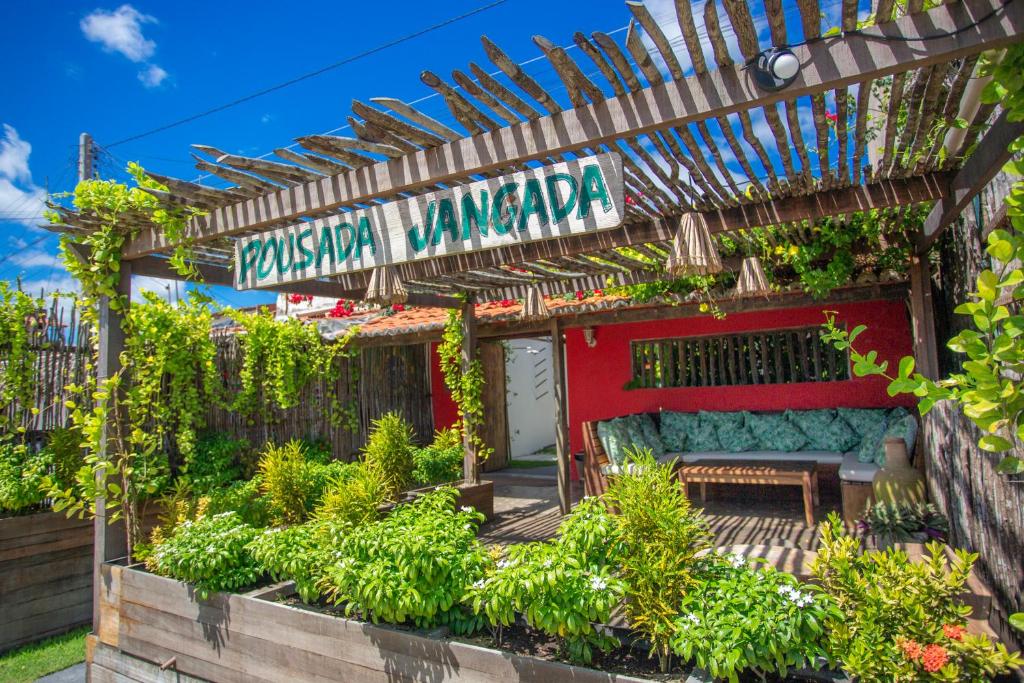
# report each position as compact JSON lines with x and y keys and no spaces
{"x":529,"y":464}
{"x":29,"y":662}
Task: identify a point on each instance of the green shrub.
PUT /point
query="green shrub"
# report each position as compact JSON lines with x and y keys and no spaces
{"x":738,"y":618}
{"x":242,"y":497}
{"x":299,"y":553}
{"x":661,"y":534}
{"x":413,"y":566}
{"x":355,"y":495}
{"x":67,"y":456}
{"x":216,"y":461}
{"x":22,"y":475}
{"x":211,"y":553}
{"x":565,"y":587}
{"x":390,"y":447}
{"x":441,"y":461}
{"x":900,"y":620}
{"x":318,"y":450}
{"x":292,"y":484}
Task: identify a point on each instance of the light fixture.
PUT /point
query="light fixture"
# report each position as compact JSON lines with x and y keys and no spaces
{"x":590,"y":337}
{"x":775,"y":68}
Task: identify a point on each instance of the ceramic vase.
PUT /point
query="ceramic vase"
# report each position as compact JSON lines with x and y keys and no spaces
{"x":898,"y":482}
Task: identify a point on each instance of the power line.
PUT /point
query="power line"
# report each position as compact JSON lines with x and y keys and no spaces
{"x":311,"y":74}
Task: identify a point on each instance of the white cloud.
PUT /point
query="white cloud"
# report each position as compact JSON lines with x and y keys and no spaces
{"x":152,"y":76}
{"x":120,"y":31}
{"x":266,"y":118}
{"x":164,"y":288}
{"x":21,"y":200}
{"x":35,"y":258}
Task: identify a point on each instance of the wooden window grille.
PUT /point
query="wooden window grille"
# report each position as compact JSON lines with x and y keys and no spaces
{"x":768,"y":357}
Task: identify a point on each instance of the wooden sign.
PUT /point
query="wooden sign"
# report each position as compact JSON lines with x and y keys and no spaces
{"x":567,"y":198}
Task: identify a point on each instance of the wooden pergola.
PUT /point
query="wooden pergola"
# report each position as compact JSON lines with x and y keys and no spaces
{"x":677,"y":116}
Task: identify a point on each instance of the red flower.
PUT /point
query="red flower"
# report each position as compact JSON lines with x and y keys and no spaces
{"x":831,"y":116}
{"x":934,"y":658}
{"x":911,"y":649}
{"x":295,"y":298}
{"x":953,"y":632}
{"x":398,"y":308}
{"x":629,"y":200}
{"x":579,"y":296}
{"x":505,"y":303}
{"x":598,"y":292}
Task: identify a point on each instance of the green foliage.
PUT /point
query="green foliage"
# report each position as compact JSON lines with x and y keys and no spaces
{"x":566,"y":588}
{"x":355,"y":494}
{"x":212,"y":553}
{"x":292,"y":484}
{"x":17,"y":371}
{"x":216,"y":461}
{"x":413,"y":566}
{"x":900,"y":620}
{"x":466,"y":385}
{"x":661,"y":534}
{"x":696,"y":287}
{"x":989,"y":390}
{"x":737,"y":618}
{"x":896,"y":522}
{"x":390,"y":448}
{"x":441,"y":461}
{"x":242,"y":497}
{"x":280,"y":358}
{"x":298,"y":553}
{"x":22,"y":473}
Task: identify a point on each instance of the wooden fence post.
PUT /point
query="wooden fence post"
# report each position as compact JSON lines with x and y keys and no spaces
{"x":926,"y":352}
{"x":109,"y":542}
{"x":561,"y":419}
{"x":470,"y":466}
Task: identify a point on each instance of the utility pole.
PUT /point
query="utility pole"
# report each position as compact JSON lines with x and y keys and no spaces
{"x":84,"y":157}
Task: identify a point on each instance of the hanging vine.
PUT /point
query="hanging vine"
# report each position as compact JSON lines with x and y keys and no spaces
{"x":281,"y":357}
{"x":467,"y":388}
{"x":17,"y":377}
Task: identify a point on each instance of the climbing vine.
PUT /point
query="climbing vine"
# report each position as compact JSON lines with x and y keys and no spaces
{"x":467,"y":388}
{"x":17,"y":377}
{"x":280,"y":357}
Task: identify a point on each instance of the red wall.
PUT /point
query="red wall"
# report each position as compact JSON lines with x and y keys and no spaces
{"x":446,"y":413}
{"x":596,"y":376}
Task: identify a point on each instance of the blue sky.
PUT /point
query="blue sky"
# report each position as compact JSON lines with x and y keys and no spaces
{"x":117,"y":70}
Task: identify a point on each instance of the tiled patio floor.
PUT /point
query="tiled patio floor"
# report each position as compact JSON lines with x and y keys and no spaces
{"x":526,"y":509}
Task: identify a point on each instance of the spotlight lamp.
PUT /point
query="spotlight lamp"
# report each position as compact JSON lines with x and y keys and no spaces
{"x":775,"y":68}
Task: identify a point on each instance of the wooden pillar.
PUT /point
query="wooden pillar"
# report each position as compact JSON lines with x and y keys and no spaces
{"x":110,"y":542}
{"x":470,"y":466}
{"x":561,"y":417}
{"x":922,"y":313}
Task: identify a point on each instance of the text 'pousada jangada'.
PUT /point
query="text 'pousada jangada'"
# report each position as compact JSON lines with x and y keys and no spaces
{"x":567,"y":198}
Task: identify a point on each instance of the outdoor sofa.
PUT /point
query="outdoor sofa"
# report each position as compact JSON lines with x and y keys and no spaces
{"x":848,"y":442}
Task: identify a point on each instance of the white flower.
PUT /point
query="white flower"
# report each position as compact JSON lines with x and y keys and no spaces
{"x":505,"y":564}
{"x":466,"y":508}
{"x":694,"y":619}
{"x":597,"y":583}
{"x":467,"y":526}
{"x":478,"y":584}
{"x":547,"y":563}
{"x":737,"y":560}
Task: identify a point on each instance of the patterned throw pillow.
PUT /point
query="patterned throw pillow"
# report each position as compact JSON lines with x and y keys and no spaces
{"x":674,"y":428}
{"x":825,"y":430}
{"x":901,"y":425}
{"x":614,"y":438}
{"x":873,"y":443}
{"x":635,"y":438}
{"x":731,"y":430}
{"x":775,"y":433}
{"x":862,"y":419}
{"x":650,"y":432}
{"x":702,"y":436}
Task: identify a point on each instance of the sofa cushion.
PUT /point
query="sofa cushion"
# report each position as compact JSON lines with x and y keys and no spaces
{"x":872,"y":442}
{"x":825,"y":430}
{"x":820,"y":457}
{"x":853,"y":470}
{"x":861,"y":419}
{"x":674,"y":428}
{"x":730,"y":430}
{"x":650,"y":434}
{"x":774,"y":432}
{"x":901,"y":425}
{"x":614,"y":437}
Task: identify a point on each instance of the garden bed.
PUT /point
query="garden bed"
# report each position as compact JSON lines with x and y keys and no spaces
{"x":45,"y":576}
{"x":252,"y":637}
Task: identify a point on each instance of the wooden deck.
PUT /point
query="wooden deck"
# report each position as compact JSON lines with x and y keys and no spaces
{"x":526,"y":509}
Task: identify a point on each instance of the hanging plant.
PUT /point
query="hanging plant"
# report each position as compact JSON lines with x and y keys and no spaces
{"x":281,"y":357}
{"x":467,"y":388}
{"x":17,"y":375}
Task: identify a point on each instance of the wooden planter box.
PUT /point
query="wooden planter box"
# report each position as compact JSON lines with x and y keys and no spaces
{"x":45,"y":576}
{"x":147,"y":621}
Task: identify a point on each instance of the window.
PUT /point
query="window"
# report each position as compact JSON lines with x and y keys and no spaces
{"x":769,"y":357}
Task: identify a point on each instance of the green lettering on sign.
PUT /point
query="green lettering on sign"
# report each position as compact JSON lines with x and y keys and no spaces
{"x":250,"y":253}
{"x":533,"y":203}
{"x":445,"y":222}
{"x":365,"y":237}
{"x":561,"y":210}
{"x":592,"y":190}
{"x":326,"y":247}
{"x":347,"y":251}
{"x":474,"y":218}
{"x":307,"y":254}
{"x":503,"y":225}
{"x":263,"y":269}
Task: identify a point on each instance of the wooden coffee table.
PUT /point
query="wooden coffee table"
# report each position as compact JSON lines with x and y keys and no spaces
{"x":780,"y":473}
